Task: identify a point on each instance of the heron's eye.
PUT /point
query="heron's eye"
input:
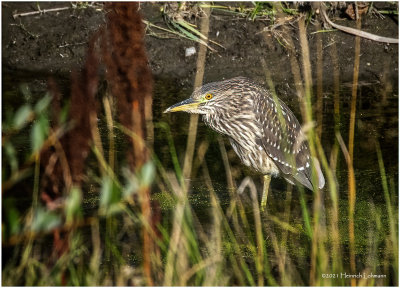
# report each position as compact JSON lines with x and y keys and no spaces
{"x":208,"y":96}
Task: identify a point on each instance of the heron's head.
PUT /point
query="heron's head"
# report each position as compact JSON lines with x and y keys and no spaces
{"x":215,"y":97}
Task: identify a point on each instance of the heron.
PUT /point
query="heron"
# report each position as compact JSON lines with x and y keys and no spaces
{"x":261,"y":128}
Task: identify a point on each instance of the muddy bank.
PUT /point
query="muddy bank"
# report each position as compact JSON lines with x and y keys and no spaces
{"x":55,"y":43}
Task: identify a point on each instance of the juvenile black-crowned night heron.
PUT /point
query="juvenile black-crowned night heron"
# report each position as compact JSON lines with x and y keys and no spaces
{"x":264,"y":132}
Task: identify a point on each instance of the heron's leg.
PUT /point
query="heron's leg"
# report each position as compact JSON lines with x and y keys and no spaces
{"x":267,"y":180}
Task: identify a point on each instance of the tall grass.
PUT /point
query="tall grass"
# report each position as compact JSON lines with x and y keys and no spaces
{"x":238,"y":245}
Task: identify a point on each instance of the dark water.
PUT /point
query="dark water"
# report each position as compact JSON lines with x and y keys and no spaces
{"x":376,"y":119}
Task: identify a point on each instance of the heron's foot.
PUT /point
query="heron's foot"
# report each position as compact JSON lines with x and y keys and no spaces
{"x":267,"y":180}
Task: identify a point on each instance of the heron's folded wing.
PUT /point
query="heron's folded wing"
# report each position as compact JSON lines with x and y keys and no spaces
{"x":283,"y":140}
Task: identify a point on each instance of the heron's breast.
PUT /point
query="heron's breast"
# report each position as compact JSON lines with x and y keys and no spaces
{"x":242,"y":128}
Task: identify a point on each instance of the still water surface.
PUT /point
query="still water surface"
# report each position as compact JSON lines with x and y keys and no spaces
{"x":376,"y":120}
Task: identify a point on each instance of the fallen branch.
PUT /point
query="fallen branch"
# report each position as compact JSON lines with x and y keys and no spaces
{"x":357,"y":32}
{"x":74,"y":5}
{"x":15,"y":16}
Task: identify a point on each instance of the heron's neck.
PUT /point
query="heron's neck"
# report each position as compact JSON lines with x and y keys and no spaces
{"x":229,"y":124}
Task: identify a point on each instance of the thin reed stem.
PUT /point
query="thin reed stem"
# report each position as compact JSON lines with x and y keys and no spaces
{"x":110,"y":126}
{"x":352,"y":183}
{"x":336,"y":104}
{"x":320,"y":95}
{"x":191,"y":140}
{"x":392,"y":231}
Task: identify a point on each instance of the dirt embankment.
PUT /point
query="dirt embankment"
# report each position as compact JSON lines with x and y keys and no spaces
{"x":55,"y":43}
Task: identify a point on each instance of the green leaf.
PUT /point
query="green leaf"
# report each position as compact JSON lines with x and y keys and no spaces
{"x":45,"y":220}
{"x":143,"y":179}
{"x":147,"y":174}
{"x":42,"y":104}
{"x":13,"y":221}
{"x":110,"y":193}
{"x":132,"y":183}
{"x":39,"y":133}
{"x":22,"y":116}
{"x":12,"y":218}
{"x":37,"y":137}
{"x":73,"y":205}
{"x":44,"y":124}
{"x":11,"y":155}
{"x":64,"y":113}
{"x":188,"y":26}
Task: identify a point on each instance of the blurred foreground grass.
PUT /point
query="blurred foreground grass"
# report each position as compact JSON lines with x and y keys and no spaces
{"x":198,"y":241}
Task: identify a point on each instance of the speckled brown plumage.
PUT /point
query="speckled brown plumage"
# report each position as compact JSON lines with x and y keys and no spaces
{"x":263,"y":131}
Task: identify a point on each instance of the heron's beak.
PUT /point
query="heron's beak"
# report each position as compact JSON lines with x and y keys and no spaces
{"x":185,"y":105}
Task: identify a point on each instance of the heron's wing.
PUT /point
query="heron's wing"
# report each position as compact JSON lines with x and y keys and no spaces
{"x":282,"y":139}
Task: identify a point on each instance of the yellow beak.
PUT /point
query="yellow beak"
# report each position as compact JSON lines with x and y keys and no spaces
{"x":185,"y":105}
